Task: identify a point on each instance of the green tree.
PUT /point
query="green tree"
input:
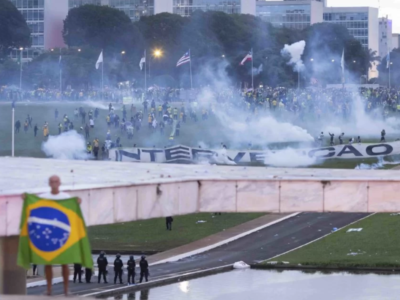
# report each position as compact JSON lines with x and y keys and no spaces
{"x":100,"y":27}
{"x":372,"y":57}
{"x":394,"y":69}
{"x":14,"y":32}
{"x":324,"y":48}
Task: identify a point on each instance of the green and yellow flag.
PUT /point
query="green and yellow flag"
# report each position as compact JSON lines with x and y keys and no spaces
{"x":53,"y":232}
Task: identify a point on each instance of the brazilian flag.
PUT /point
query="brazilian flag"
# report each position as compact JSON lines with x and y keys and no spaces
{"x":53,"y":232}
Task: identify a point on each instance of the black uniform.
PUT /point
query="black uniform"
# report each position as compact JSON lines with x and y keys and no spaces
{"x":144,"y":269}
{"x":169,"y":221}
{"x":118,"y":265}
{"x":35,"y":130}
{"x":332,"y":136}
{"x":88,"y":275}
{"x":131,"y":264}
{"x":102,"y":264}
{"x":78,"y":272}
{"x":383,"y":133}
{"x":17,"y":126}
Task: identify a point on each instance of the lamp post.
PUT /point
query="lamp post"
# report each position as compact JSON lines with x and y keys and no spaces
{"x":20,"y":68}
{"x":157,"y":53}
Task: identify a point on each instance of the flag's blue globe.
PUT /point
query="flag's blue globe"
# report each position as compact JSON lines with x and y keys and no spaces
{"x":48,"y":228}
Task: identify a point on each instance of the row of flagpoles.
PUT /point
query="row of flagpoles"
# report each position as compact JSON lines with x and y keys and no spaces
{"x":186,"y":58}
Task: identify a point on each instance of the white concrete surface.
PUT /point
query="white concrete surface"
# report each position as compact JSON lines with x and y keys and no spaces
{"x":114,"y":192}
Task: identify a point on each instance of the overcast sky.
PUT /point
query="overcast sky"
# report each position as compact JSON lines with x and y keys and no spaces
{"x":387,"y":7}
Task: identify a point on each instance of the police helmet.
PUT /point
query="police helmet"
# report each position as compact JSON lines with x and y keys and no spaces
{"x":143,"y":257}
{"x":102,"y":253}
{"x":118,"y":255}
{"x":131,"y":257}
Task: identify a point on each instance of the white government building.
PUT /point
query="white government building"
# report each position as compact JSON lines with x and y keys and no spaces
{"x":45,"y":17}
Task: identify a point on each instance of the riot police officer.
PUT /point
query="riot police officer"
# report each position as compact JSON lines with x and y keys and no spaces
{"x":118,"y":265}
{"x":144,"y":269}
{"x":78,"y":272}
{"x":102,"y":264}
{"x":131,"y":264}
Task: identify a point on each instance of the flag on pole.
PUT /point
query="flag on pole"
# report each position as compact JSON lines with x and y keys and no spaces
{"x":53,"y":233}
{"x":342,"y":65}
{"x":388,"y":60}
{"x":142,"y":61}
{"x":342,"y":62}
{"x":184,"y":59}
{"x":260,"y":69}
{"x":99,"y":60}
{"x":249,"y":57}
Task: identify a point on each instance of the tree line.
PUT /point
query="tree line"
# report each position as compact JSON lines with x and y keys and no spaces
{"x":217,"y":41}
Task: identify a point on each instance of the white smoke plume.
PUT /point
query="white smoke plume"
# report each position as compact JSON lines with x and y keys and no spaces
{"x":380,"y":164}
{"x":363,"y":124}
{"x":96,"y":104}
{"x":290,"y":158}
{"x":68,"y":145}
{"x":294,"y":52}
{"x":264,"y":130}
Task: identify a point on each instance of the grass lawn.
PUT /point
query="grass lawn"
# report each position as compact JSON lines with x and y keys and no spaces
{"x":192,"y":133}
{"x":151,"y":235}
{"x":377,"y":245}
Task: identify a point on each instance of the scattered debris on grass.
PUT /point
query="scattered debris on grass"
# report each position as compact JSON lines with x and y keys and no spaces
{"x":354,"y":230}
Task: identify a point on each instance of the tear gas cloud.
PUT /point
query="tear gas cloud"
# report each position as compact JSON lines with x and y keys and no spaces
{"x":68,"y":145}
{"x":294,"y":53}
{"x":380,"y":164}
{"x":95,"y":104}
{"x":289,"y":158}
{"x":362,"y":124}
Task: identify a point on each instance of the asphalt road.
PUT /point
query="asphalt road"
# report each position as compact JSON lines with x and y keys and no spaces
{"x":264,"y":244}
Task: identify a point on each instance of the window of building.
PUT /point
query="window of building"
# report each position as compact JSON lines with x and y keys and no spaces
{"x":187,"y":7}
{"x":291,"y":16}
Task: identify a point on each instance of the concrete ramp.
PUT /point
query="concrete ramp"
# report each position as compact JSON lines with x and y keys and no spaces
{"x":114,"y":192}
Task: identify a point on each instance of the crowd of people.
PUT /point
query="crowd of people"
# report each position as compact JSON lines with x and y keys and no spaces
{"x":159,"y":110}
{"x":69,"y":94}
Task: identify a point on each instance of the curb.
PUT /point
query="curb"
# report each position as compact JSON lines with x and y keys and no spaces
{"x":126,"y":252}
{"x":160,"y":282}
{"x":327,"y":268}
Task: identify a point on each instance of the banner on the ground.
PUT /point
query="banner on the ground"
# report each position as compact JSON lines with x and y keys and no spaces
{"x":187,"y":154}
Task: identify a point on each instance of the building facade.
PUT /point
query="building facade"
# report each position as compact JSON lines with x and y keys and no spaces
{"x":295,"y":14}
{"x":187,"y":7}
{"x":138,"y":8}
{"x":395,"y":41}
{"x":385,"y":36}
{"x":362,"y":23}
{"x":33,"y":12}
{"x":45,"y":20}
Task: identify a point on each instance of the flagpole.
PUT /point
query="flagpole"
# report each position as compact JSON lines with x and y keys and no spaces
{"x":60,"y":74}
{"x":20,"y":70}
{"x":389,"y":77}
{"x":102,"y":76}
{"x":252,"y":72}
{"x":298,"y":79}
{"x":145,"y":72}
{"x":12,"y":131}
{"x":191,"y":77}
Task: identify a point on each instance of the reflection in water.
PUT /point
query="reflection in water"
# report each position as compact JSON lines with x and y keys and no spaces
{"x":184,"y":286}
{"x":131,"y":296}
{"x":287,"y":285}
{"x":144,"y":294}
